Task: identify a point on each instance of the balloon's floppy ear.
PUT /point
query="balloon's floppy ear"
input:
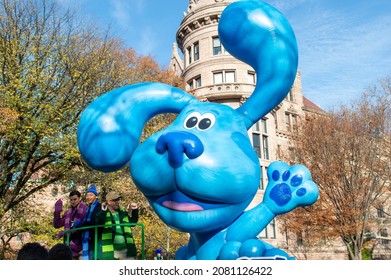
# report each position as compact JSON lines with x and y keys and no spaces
{"x":259,"y":35}
{"x":110,"y":127}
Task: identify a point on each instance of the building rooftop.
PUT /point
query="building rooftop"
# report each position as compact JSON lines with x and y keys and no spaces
{"x":310,"y":105}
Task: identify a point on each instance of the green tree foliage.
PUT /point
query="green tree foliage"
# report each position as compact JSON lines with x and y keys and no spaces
{"x":50,"y":69}
{"x":53,"y":65}
{"x":349,"y":155}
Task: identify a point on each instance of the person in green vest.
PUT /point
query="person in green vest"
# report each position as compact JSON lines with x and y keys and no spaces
{"x":117,"y":241}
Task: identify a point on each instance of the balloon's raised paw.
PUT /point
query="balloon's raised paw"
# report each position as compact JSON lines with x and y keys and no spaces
{"x":289,"y":187}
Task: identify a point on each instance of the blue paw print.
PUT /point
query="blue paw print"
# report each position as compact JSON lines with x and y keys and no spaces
{"x":282,"y":193}
{"x":289,"y":187}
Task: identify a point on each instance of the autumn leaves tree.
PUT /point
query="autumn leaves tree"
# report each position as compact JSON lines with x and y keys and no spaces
{"x":53,"y":65}
{"x":349,"y":154}
{"x":50,"y":67}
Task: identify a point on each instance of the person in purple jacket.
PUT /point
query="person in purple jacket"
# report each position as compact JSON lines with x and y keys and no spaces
{"x":75,"y":213}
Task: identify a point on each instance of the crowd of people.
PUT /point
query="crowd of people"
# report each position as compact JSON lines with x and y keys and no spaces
{"x":36,"y":251}
{"x":115,"y":239}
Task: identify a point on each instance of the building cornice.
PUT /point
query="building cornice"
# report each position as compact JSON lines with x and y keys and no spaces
{"x":203,"y":16}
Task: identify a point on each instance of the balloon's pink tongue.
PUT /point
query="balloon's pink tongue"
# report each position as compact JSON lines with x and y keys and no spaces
{"x":185,"y":207}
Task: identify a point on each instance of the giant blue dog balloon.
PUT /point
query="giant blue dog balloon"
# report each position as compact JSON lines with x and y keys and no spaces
{"x":201,"y":173}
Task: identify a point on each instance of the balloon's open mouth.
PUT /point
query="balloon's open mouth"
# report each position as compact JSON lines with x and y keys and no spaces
{"x":180,"y":202}
{"x":185,"y":207}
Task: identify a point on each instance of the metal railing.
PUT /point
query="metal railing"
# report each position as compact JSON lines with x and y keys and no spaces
{"x":67,"y":235}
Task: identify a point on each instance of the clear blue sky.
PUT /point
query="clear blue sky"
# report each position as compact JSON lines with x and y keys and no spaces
{"x":344,"y":45}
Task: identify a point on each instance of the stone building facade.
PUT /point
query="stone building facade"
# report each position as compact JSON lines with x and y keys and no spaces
{"x":212,"y":74}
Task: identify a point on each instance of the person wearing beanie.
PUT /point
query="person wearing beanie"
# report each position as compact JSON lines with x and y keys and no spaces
{"x":117,"y":241}
{"x":75,"y":214}
{"x":88,"y":235}
{"x":92,"y":189}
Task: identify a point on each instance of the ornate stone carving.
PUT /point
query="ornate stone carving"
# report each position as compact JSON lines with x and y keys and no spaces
{"x":192,"y":5}
{"x":243,"y":99}
{"x":187,"y":29}
{"x":196,"y":24}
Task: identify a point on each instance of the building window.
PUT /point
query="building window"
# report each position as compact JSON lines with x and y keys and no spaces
{"x":294,"y":122}
{"x":230,"y":76}
{"x":193,"y":52}
{"x":263,"y":234}
{"x":197,"y":82}
{"x":261,"y":182}
{"x":287,"y":122}
{"x":269,"y":231}
{"x":257,"y":143}
{"x":251,"y":78}
{"x":264,"y":126}
{"x":224,"y":77}
{"x":196,"y":51}
{"x":259,"y":133}
{"x":265,"y":145}
{"x":272,"y":229}
{"x":218,"y":78}
{"x":194,"y":83}
{"x":217,"y":50}
{"x":189,"y":55}
{"x":291,"y":122}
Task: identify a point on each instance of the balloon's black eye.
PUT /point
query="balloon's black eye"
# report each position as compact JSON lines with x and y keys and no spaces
{"x":204,"y":124}
{"x":207,"y":121}
{"x":191,"y":122}
{"x":201,"y":122}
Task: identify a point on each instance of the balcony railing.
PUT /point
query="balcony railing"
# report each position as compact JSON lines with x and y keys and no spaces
{"x":67,"y":234}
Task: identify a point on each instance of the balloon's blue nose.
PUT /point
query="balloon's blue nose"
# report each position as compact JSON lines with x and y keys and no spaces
{"x":177,"y":144}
